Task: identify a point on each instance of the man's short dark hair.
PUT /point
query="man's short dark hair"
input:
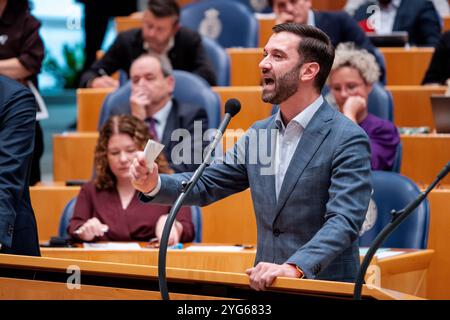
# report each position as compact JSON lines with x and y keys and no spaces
{"x":163,"y":8}
{"x":315,"y":46}
{"x":271,"y":3}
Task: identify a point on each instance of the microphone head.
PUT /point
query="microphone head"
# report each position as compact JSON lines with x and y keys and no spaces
{"x":232,"y":106}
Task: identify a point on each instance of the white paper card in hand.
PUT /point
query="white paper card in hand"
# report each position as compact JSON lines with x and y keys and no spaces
{"x":151,"y":151}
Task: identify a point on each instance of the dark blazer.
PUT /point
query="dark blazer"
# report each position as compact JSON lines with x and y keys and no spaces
{"x":18,"y":232}
{"x":439,"y":69}
{"x":182,"y":116}
{"x":418,"y":17}
{"x":340,"y":27}
{"x":315,"y":221}
{"x":187,"y":54}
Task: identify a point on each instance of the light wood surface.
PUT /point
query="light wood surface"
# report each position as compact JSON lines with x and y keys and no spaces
{"x":21,"y":289}
{"x":127,"y":23}
{"x":89,"y":102}
{"x":48,"y":204}
{"x":244,"y":66}
{"x":439,"y":272}
{"x":406,"y":66}
{"x":252,"y":107}
{"x":107,"y":269}
{"x":73,"y":155}
{"x":230,"y":220}
{"x":446,"y":23}
{"x":424,"y":155}
{"x":266,"y":24}
{"x":412,"y":105}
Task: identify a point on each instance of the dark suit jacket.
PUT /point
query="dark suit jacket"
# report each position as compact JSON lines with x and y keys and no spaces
{"x":340,"y":27}
{"x":418,"y":17}
{"x":439,"y":69}
{"x":18,"y":233}
{"x":182,"y":116}
{"x":187,"y":54}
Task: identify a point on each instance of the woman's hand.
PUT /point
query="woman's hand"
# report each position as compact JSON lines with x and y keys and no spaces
{"x":355,"y":108}
{"x":175,"y":233}
{"x":91,"y":229}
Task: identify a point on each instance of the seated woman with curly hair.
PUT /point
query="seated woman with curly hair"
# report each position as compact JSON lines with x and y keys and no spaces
{"x":108,"y":208}
{"x":351,"y":78}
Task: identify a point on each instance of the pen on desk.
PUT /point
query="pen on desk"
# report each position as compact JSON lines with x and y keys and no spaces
{"x":244,"y":246}
{"x":176,"y":246}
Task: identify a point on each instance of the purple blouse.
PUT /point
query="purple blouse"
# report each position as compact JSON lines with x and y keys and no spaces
{"x":384,"y":138}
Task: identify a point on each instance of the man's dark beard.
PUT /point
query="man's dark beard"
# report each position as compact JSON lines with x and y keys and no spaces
{"x":284,"y":87}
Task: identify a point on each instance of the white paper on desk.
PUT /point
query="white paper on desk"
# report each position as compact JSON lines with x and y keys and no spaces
{"x":363,"y":251}
{"x":388,"y":254}
{"x":113,"y":246}
{"x":381,"y":253}
{"x":215,"y":248}
{"x":151,"y":152}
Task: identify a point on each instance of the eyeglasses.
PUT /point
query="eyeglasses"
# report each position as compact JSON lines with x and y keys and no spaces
{"x":349,"y":87}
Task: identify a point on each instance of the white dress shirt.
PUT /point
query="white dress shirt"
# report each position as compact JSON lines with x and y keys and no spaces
{"x":161,"y":119}
{"x":288,"y":138}
{"x":387,"y":17}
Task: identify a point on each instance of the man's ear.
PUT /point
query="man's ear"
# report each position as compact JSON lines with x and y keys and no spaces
{"x":309,"y":71}
{"x":176,"y":27}
{"x":170,"y":80}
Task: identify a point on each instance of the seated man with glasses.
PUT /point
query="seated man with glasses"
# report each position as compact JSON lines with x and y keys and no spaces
{"x":350,"y":80}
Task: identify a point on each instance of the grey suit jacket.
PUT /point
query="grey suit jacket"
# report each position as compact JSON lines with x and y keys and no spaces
{"x":323,"y":199}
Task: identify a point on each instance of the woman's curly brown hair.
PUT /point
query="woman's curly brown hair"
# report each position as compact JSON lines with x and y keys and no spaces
{"x":138,"y":131}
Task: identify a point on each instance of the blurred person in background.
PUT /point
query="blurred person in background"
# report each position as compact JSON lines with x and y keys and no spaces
{"x":351,"y":78}
{"x":21,"y":55}
{"x":161,"y":34}
{"x":439,"y":69}
{"x":107,"y":208}
{"x":18,"y":231}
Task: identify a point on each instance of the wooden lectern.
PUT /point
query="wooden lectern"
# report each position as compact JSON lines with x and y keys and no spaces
{"x":23,"y":277}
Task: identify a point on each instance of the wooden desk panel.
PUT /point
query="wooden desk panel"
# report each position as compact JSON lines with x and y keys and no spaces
{"x":89,"y":102}
{"x":412,"y":106}
{"x":244,"y":66}
{"x":446,"y":24}
{"x":73,"y":155}
{"x":406,"y":66}
{"x":253,"y":108}
{"x":265,"y":29}
{"x":424,"y":155}
{"x":438,"y":278}
{"x":127,"y":23}
{"x":48,"y":204}
{"x":230,"y":220}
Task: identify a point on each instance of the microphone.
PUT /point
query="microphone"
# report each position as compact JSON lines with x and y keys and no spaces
{"x":397,"y":218}
{"x":232,"y":107}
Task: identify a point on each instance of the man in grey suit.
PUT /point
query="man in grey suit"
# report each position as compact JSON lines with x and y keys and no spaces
{"x":311,"y":206}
